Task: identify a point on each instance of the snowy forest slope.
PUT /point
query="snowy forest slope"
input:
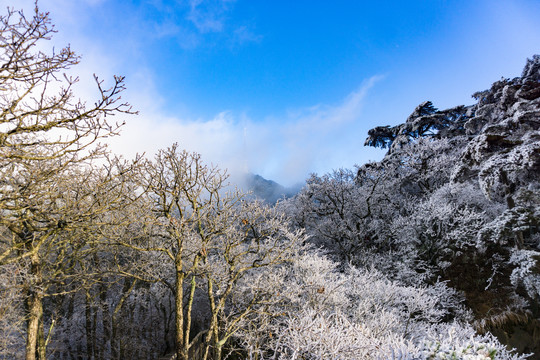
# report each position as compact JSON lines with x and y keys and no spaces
{"x":455,"y":199}
{"x":423,"y":255}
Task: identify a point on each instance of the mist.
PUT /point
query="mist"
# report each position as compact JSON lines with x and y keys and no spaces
{"x":284,"y":148}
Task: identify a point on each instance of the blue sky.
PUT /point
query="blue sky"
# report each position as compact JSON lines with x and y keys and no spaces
{"x":285,"y":88}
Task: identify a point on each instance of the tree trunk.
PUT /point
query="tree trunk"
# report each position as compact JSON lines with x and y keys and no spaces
{"x":181,"y":349}
{"x":35,"y":347}
{"x":115,"y":341}
{"x":211,"y":335}
{"x":188,"y":312}
{"x":95,"y":349}
{"x":106,"y":321}
{"x":35,"y":316}
{"x":88,"y":318}
{"x":68,"y":344}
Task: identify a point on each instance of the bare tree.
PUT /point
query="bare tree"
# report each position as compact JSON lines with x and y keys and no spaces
{"x":48,"y":144}
{"x":207,"y":239}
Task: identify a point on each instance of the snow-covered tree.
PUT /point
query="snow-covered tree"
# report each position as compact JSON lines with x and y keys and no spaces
{"x":455,"y":198}
{"x":327,"y":312}
{"x":206,"y":239}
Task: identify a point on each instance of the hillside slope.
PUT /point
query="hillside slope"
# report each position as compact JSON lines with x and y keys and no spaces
{"x":456,"y":198}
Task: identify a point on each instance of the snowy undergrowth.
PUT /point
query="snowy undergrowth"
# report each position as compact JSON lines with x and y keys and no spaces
{"x":327,"y":312}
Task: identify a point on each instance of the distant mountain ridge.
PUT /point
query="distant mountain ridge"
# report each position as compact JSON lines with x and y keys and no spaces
{"x":268,"y":191}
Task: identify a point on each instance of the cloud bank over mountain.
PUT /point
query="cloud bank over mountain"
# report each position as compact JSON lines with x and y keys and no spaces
{"x":285,"y":149}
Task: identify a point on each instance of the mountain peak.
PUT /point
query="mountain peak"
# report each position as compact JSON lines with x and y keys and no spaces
{"x":268,"y":191}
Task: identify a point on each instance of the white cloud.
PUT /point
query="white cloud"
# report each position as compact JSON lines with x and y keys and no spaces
{"x":284,"y":149}
{"x":212,"y":16}
{"x":207,"y":16}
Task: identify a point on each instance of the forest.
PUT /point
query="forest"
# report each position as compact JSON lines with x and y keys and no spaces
{"x":431,"y":253}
